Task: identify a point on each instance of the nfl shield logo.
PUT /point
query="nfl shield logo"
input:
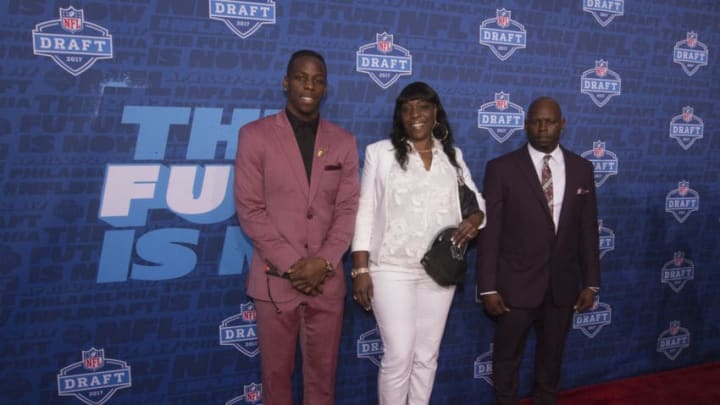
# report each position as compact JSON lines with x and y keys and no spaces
{"x":687,"y":114}
{"x":71,"y":20}
{"x":501,"y":101}
{"x":598,"y":149}
{"x":674,"y":327}
{"x":678,"y":259}
{"x":248,"y":312}
{"x":692,"y":39}
{"x":93,"y":359}
{"x":253,"y":392}
{"x":601,"y":67}
{"x":503,"y":17}
{"x":683,"y":187}
{"x":384,"y":42}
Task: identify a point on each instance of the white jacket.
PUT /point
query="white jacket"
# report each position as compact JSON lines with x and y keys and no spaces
{"x":371,"y":217}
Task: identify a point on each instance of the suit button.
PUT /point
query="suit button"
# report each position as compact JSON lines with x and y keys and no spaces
{"x":309,"y":215}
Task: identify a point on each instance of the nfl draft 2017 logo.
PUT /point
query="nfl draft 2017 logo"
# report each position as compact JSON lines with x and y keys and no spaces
{"x":607,"y":239}
{"x":240,"y":331}
{"x":686,"y":128}
{"x":605,"y":162}
{"x":95,"y":379}
{"x":383,"y":60}
{"x":482,"y":368}
{"x":677,"y":271}
{"x":369,"y":346}
{"x":682,"y":201}
{"x":604,"y":11}
{"x":600,"y":84}
{"x":252,"y":395}
{"x":73,"y":43}
{"x":673,"y":340}
{"x":690,"y":54}
{"x":501,"y":117}
{"x":243,"y":18}
{"x":591,"y":322}
{"x":502,"y":34}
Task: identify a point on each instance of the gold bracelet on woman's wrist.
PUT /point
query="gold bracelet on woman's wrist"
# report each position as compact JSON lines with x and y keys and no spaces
{"x":358,"y":271}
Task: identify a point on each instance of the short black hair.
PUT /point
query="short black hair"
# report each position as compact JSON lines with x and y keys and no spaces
{"x":538,"y":100}
{"x":305,"y":52}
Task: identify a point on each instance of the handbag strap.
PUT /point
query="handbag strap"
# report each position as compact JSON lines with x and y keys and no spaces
{"x":460,"y":180}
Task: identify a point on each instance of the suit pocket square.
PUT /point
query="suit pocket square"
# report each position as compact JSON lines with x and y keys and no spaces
{"x":582,"y":191}
{"x":333,"y":167}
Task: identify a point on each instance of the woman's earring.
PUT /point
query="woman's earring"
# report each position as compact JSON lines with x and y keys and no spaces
{"x":444,"y":131}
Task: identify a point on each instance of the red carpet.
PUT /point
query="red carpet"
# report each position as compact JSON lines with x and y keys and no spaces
{"x":696,"y":385}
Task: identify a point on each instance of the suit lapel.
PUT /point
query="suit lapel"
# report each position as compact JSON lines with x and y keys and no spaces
{"x":568,"y":198}
{"x":320,"y":152}
{"x":287,"y":144}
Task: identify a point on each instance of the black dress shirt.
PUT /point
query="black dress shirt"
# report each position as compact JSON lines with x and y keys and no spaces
{"x":305,"y":132}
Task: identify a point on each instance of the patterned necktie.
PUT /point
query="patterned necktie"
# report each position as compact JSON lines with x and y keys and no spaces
{"x":546,"y":181}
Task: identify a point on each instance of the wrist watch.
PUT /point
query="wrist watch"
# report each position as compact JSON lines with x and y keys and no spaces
{"x":358,"y":271}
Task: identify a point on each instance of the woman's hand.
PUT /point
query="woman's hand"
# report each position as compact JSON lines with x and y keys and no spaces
{"x":468,"y":228}
{"x":362,"y":286}
{"x":362,"y":289}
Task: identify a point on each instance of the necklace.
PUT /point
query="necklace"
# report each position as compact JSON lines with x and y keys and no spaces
{"x":424,"y":150}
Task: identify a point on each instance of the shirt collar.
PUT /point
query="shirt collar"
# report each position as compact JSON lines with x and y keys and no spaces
{"x":297,"y":123}
{"x":536,"y":155}
{"x":436,"y":146}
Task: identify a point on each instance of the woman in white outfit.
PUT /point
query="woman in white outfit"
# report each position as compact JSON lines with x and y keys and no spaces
{"x":409,"y":192}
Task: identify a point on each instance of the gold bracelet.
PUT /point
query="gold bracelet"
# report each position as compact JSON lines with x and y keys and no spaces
{"x":358,"y":271}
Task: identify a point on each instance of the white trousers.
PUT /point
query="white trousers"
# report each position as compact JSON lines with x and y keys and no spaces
{"x":411,"y":311}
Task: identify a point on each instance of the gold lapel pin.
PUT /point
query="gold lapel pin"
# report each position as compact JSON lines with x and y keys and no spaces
{"x":321,"y":152}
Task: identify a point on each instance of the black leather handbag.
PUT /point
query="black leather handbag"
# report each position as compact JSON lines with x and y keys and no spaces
{"x":445,"y":262}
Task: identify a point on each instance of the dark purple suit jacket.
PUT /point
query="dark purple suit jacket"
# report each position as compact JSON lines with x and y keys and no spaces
{"x":284,"y":217}
{"x":519,"y":254}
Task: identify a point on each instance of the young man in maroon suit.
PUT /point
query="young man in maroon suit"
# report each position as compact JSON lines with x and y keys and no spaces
{"x":296,"y":194}
{"x":538,"y":257}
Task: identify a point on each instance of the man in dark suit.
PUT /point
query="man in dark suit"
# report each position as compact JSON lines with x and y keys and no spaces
{"x":538,"y":257}
{"x":296,"y":193}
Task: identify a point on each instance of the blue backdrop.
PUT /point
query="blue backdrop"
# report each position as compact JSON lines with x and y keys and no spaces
{"x":122,"y":262}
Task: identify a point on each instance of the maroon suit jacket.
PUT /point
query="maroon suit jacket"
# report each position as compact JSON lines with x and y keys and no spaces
{"x":519,"y":254}
{"x":284,"y":217}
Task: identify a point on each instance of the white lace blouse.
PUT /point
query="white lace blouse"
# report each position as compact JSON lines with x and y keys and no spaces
{"x":419,"y":203}
{"x":400,"y":211}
